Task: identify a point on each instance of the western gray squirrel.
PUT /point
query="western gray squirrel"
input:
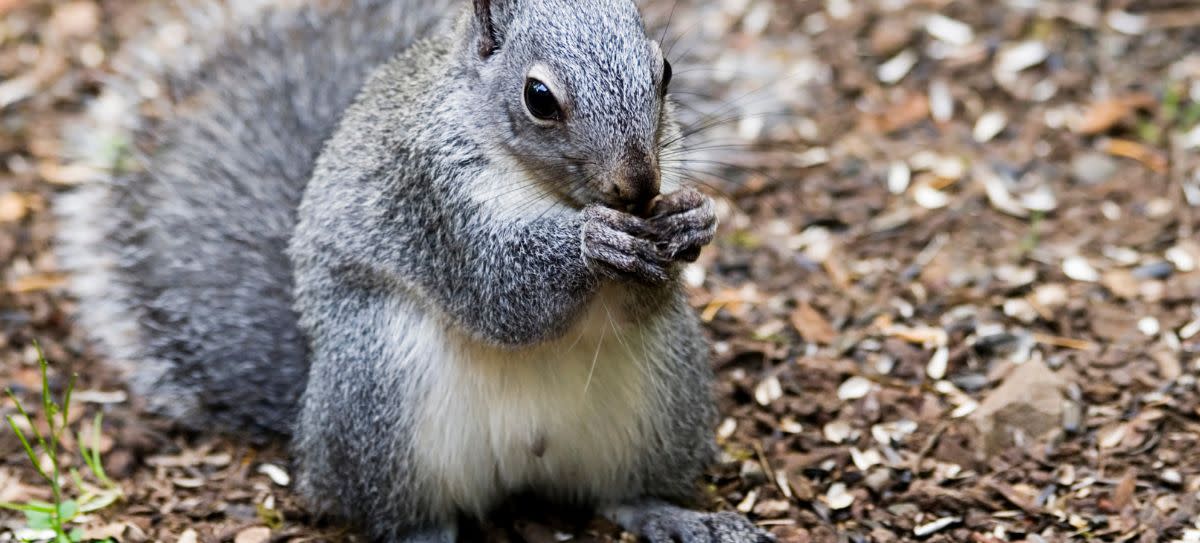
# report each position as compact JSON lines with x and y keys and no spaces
{"x":439,"y":252}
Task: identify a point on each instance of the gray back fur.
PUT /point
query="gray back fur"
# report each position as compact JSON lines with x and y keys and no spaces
{"x":180,"y":267}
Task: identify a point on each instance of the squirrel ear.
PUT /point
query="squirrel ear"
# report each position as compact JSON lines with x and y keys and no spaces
{"x":485,"y":20}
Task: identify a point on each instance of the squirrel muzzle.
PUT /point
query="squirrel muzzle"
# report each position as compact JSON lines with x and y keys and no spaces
{"x":637,"y":182}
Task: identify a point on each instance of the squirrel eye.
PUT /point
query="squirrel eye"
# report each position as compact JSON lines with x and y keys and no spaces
{"x":667,"y":74}
{"x":541,"y":102}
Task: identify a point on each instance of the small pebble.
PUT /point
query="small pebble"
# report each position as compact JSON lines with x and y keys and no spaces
{"x":1072,"y":417}
{"x":1078,"y":268}
{"x":790,"y":426}
{"x":938,"y":364}
{"x":865,"y":460}
{"x":854,"y":388}
{"x":726,"y":429}
{"x":1041,"y":199}
{"x":878,"y":480}
{"x":1183,"y":259}
{"x":1093,"y":168}
{"x":930,"y":198}
{"x":1020,"y":309}
{"x":949,"y":30}
{"x":1159,"y":208}
{"x":892,"y":432}
{"x":837,"y":498}
{"x":1121,"y":255}
{"x":1125,"y":22}
{"x":941,"y":103}
{"x":747,"y":505}
{"x":1149,"y":326}
{"x":1021,"y":56}
{"x":275,"y":473}
{"x":1110,"y":210}
{"x":989,"y":125}
{"x":964,"y":409}
{"x":1171,"y":477}
{"x":1154,"y":270}
{"x":839,"y":9}
{"x":898,"y":177}
{"x":897,"y":67}
{"x":951,"y":168}
{"x":1189,"y":330}
{"x":970,"y":382}
{"x":257,"y":534}
{"x":1051,"y":295}
{"x":1014,"y":276}
{"x":938,"y":525}
{"x":837,"y":431}
{"x":768,"y":391}
{"x":752,"y":473}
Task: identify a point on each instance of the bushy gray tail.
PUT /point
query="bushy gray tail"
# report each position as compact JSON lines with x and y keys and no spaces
{"x":179,"y":266}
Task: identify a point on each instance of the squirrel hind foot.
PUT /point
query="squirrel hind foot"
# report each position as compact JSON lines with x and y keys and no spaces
{"x":661,"y":522}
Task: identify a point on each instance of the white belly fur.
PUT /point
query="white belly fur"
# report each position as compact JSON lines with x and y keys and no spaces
{"x":580,"y":402}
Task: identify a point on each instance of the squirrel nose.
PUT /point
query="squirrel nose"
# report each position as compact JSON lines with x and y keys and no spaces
{"x":637,"y":183}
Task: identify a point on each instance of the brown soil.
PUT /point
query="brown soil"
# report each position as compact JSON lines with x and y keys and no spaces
{"x":954,"y":297}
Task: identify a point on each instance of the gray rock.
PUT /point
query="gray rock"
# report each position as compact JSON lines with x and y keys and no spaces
{"x":1092,"y":168}
{"x":1029,"y":401}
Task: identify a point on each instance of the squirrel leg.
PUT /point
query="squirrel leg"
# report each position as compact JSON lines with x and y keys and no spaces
{"x":660,"y":522}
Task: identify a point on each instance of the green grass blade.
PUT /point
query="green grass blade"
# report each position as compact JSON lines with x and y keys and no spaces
{"x":97,"y":463}
{"x":47,"y":509}
{"x":66,"y":406}
{"x":28,"y":448}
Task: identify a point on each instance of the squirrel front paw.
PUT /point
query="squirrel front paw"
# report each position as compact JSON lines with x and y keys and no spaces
{"x":684,"y":222}
{"x":623,"y":246}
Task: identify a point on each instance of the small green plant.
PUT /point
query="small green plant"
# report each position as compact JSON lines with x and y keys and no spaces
{"x":56,"y":516}
{"x":1033,"y":237}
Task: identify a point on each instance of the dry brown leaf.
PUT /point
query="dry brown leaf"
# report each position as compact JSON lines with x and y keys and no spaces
{"x":1122,"y":283}
{"x":1148,"y":156}
{"x":1103,"y":115}
{"x":1123,"y":493}
{"x":812,"y":325}
{"x":1066,"y":342}
{"x":114,"y":531}
{"x":37,"y":282}
{"x":13,"y":207}
{"x":900,"y":115}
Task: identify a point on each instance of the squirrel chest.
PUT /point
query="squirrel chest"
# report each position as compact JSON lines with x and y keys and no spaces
{"x":566,"y":419}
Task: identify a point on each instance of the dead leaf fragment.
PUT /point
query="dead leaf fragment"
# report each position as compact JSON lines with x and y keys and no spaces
{"x":37,"y":283}
{"x":13,"y":207}
{"x":1103,"y":115}
{"x":811,"y":325}
{"x":1123,"y":493}
{"x":1149,"y":157}
{"x":257,"y":534}
{"x":901,"y":115}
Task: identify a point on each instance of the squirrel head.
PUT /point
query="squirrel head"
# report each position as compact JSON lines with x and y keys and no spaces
{"x":576,"y":93}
